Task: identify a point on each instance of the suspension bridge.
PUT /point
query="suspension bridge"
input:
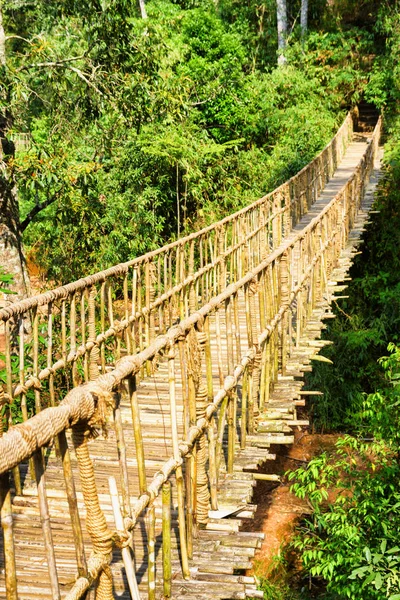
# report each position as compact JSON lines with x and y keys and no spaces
{"x":138,"y":403}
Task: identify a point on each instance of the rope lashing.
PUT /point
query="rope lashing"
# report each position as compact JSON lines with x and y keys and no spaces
{"x":102,"y":538}
{"x":202,"y":484}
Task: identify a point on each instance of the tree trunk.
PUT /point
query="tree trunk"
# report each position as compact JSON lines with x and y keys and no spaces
{"x":304,"y":17}
{"x":281,"y":15}
{"x":11,"y":253}
{"x":142,"y":7}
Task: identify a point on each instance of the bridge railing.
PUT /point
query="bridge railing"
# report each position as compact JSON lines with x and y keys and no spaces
{"x":276,"y":299}
{"x":69,"y":335}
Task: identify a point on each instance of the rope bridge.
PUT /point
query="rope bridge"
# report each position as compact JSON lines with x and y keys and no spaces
{"x":163,"y":382}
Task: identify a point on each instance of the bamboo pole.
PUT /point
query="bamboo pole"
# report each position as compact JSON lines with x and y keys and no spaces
{"x":123,"y":465}
{"x":220,"y":433}
{"x":137,"y":431}
{"x":125,"y":551}
{"x":166,"y":538}
{"x":72,"y":504}
{"x":75,"y":375}
{"x":243,"y":414}
{"x":46,"y":527}
{"x":177,"y":456}
{"x":151,"y":535}
{"x":6,"y":518}
{"x":231,"y":433}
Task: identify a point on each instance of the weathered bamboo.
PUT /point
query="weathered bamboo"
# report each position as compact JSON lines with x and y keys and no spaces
{"x":125,"y":551}
{"x":151,"y":569}
{"x":72,"y":504}
{"x":46,"y":527}
{"x":231,"y":433}
{"x":123,"y":466}
{"x":166,"y":538}
{"x":243,"y":414}
{"x":178,"y":472}
{"x":8,"y":538}
{"x":137,"y":431}
{"x":220,"y":433}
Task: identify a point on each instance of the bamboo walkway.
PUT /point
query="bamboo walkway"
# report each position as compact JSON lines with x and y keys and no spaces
{"x":243,"y":436}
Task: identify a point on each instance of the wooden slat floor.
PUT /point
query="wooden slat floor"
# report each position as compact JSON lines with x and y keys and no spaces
{"x":222,"y":552}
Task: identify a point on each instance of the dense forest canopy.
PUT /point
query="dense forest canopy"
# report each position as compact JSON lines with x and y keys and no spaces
{"x":120,"y":132}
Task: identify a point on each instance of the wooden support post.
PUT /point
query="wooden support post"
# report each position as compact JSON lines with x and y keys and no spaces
{"x":72,"y":504}
{"x":178,"y":472}
{"x":123,"y":465}
{"x":231,"y":433}
{"x":137,"y":430}
{"x":166,"y":538}
{"x":151,"y":548}
{"x":45,"y":521}
{"x":243,"y":414}
{"x":126,"y":553}
{"x":8,"y":537}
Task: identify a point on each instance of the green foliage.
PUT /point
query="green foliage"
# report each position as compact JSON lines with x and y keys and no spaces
{"x":351,"y":540}
{"x":6,"y":279}
{"x":142,"y":130}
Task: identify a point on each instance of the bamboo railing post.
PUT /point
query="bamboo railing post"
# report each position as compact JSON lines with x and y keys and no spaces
{"x":166,"y":538}
{"x":151,"y":547}
{"x":125,"y":551}
{"x":192,"y":287}
{"x":137,"y":431}
{"x":6,"y":518}
{"x":177,"y":456}
{"x":231,"y":433}
{"x":9,"y":387}
{"x":134,"y":328}
{"x":83,"y":336}
{"x":220,"y":433}
{"x":256,"y":367}
{"x":94,"y":353}
{"x":73,"y":330}
{"x":45,"y":521}
{"x":72,"y":504}
{"x":103,"y":325}
{"x":121,"y":450}
{"x":213,"y":475}
{"x":202,"y":489}
{"x":284,"y":286}
{"x":191,"y":464}
{"x":128,"y":332}
{"x":243,"y":414}
{"x":237,"y":327}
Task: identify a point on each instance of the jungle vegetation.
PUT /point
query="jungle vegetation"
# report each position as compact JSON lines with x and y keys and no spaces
{"x":120,"y":133}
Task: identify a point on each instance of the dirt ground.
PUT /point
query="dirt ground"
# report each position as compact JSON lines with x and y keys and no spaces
{"x":278,"y":510}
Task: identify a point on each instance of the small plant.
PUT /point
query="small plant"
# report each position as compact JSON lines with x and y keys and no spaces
{"x":6,"y":280}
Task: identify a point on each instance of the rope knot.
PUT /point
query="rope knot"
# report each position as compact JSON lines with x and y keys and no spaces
{"x":122,"y":538}
{"x":36,"y":383}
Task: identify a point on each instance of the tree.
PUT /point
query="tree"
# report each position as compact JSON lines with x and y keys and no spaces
{"x":11,"y":252}
{"x":304,"y":17}
{"x":281,"y":14}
